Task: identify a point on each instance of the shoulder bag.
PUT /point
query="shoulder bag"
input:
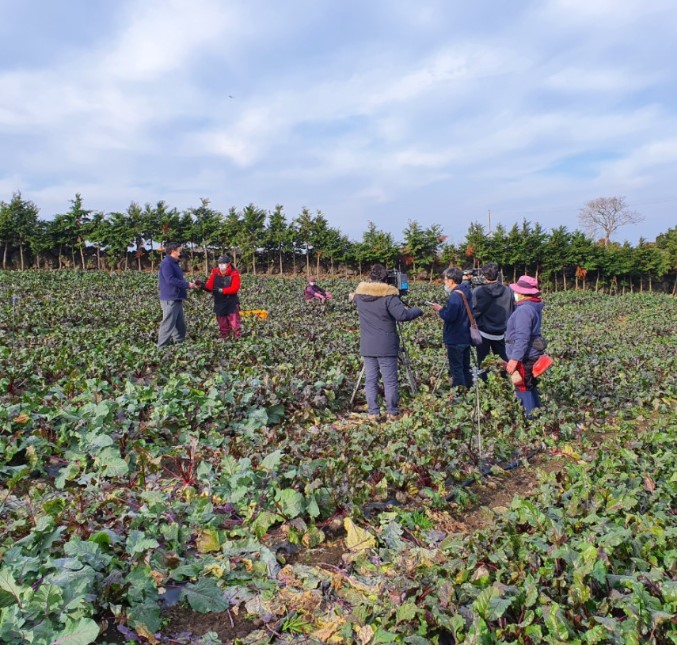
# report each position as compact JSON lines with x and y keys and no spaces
{"x":475,"y":336}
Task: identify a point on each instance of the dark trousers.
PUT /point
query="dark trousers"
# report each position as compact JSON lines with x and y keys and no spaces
{"x":491,"y":346}
{"x":488,"y":346}
{"x":527,"y":393}
{"x":459,"y":365}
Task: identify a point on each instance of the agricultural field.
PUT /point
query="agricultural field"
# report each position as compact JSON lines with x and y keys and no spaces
{"x":229,"y":493}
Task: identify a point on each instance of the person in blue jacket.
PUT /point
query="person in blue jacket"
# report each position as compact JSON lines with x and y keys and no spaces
{"x":456,"y":330}
{"x":173,"y":289}
{"x":521,"y":339}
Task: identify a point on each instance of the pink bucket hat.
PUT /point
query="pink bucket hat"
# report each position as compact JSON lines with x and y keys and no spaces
{"x":526,"y":285}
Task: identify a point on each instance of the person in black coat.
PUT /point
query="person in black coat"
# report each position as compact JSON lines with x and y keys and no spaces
{"x":380,"y":309}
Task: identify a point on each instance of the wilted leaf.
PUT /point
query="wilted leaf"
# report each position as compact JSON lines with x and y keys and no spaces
{"x":365,"y":634}
{"x":144,"y":632}
{"x":328,"y":629}
{"x":313,"y":537}
{"x":357,"y":539}
{"x":208,"y":541}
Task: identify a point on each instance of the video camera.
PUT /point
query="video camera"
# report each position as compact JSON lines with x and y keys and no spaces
{"x":398,"y":279}
{"x":475,"y":276}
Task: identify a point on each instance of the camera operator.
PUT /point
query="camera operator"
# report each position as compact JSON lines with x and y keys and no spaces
{"x":380,"y":308}
{"x":493,"y":304}
{"x":173,"y":290}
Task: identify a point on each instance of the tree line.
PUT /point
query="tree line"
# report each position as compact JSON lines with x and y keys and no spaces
{"x":270,"y":242}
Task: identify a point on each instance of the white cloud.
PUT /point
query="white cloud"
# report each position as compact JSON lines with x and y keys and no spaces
{"x":163,"y":36}
{"x":378,"y":106}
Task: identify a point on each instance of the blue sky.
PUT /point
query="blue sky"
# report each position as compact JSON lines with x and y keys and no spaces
{"x":385,"y":110}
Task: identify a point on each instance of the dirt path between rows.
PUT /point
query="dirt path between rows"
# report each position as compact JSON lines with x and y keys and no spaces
{"x":493,"y":494}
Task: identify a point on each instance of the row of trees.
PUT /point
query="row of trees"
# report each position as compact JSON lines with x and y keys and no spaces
{"x":270,"y":242}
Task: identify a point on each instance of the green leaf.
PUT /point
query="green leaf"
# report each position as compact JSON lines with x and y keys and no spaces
{"x":9,"y":584}
{"x":102,"y":538}
{"x":384,"y":636}
{"x":482,"y":602}
{"x":6,"y":599}
{"x":272,"y":461}
{"x":291,"y":502}
{"x":205,"y":596}
{"x":264,"y":521}
{"x":112,"y":464}
{"x":275,"y":414}
{"x":46,"y":600}
{"x":77,"y":632}
{"x":498,"y":607}
{"x":555,"y":623}
{"x":406,"y":611}
{"x":137,"y":542}
{"x":146,"y":615}
{"x":96,"y":441}
{"x":313,"y":509}
{"x":66,"y":474}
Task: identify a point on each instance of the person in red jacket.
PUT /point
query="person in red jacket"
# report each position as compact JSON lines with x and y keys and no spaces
{"x":224,"y":283}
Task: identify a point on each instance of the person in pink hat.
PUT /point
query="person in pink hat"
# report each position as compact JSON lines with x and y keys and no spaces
{"x":524,"y":342}
{"x":314,"y":291}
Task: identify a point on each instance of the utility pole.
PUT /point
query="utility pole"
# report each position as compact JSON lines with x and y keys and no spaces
{"x":489,"y":223}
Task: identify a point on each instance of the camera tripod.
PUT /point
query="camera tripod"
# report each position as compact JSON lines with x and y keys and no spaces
{"x":476,"y":374}
{"x":402,"y":358}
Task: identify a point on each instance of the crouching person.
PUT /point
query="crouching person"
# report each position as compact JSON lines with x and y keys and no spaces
{"x":380,"y":308}
{"x":224,"y":284}
{"x":314,"y":291}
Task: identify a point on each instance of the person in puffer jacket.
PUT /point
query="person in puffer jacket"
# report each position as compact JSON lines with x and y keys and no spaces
{"x":380,"y":309}
{"x":224,"y":283}
{"x":524,"y":326}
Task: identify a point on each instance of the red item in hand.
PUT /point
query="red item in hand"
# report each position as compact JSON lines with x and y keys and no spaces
{"x":543,"y":363}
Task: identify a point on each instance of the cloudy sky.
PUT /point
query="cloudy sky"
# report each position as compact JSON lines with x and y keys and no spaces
{"x":383,"y":110}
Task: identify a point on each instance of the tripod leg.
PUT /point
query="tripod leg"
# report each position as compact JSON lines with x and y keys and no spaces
{"x":357,"y":385}
{"x":411,"y":378}
{"x":443,"y":369}
{"x":403,"y":357}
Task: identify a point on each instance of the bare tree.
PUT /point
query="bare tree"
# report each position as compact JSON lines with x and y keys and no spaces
{"x":607,"y":214}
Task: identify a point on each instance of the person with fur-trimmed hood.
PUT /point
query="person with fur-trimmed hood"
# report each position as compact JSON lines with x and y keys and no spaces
{"x":224,"y":284}
{"x":380,"y":309}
